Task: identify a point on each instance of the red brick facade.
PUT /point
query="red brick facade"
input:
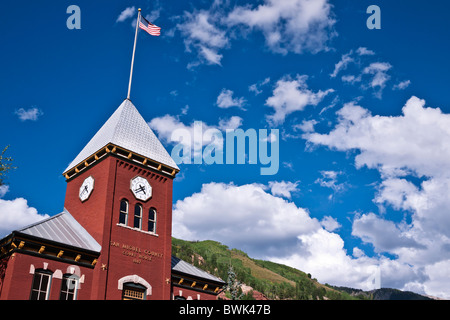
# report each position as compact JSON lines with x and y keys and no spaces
{"x":125,"y":250}
{"x":51,"y":258}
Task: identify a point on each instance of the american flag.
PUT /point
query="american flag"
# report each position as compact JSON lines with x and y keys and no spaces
{"x":149,"y":27}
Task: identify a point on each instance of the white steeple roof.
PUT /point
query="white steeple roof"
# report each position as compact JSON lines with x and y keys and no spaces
{"x":127,"y":129}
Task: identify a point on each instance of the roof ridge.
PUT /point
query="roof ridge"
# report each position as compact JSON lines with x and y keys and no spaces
{"x":126,"y":128}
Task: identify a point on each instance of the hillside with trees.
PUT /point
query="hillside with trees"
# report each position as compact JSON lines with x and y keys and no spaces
{"x":270,"y":280}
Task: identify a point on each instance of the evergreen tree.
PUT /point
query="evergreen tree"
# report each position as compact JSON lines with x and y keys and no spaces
{"x":233,"y":286}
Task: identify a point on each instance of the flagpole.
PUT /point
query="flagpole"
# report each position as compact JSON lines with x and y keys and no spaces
{"x":134,"y":49}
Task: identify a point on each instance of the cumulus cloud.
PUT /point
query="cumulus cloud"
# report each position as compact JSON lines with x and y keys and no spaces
{"x":252,"y":219}
{"x":283,"y":188}
{"x":202,"y":35}
{"x":415,"y":144}
{"x":16,"y":214}
{"x":194,"y":136}
{"x":31,"y":114}
{"x":292,"y":95}
{"x":331,"y":224}
{"x":270,"y":227}
{"x":289,"y":26}
{"x":385,"y":235}
{"x":305,"y":126}
{"x":225,"y":100}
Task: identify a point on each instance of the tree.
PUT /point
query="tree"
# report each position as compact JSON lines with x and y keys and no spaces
{"x":5,"y":165}
{"x":233,"y":286}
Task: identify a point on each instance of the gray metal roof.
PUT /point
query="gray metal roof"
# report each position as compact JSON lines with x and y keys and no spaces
{"x":187,"y":268}
{"x":126,"y":128}
{"x":63,"y":228}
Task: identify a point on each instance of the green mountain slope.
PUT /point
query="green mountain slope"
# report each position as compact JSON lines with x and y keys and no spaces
{"x":273,"y":280}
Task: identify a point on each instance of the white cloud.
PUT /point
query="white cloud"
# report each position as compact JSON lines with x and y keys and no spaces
{"x":330,"y":224}
{"x":31,"y":114}
{"x":126,"y":13}
{"x":363,"y":51}
{"x":380,"y":76}
{"x":292,"y":95}
{"x":191,"y":136}
{"x":3,"y":190}
{"x":305,"y":126}
{"x":246,"y":217}
{"x":289,"y":26}
{"x":385,"y":235}
{"x":329,"y":180}
{"x":15,"y":214}
{"x":349,"y":78}
{"x":402,"y":85}
{"x":346,"y":59}
{"x":231,"y":123}
{"x":414,"y":144}
{"x":256,"y":87}
{"x":226,"y":100}
{"x":283,"y":188}
{"x":269,"y":227}
{"x":201,"y":34}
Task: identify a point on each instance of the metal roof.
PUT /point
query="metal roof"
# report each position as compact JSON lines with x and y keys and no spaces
{"x":187,"y":268}
{"x":126,"y":128}
{"x":62,"y":228}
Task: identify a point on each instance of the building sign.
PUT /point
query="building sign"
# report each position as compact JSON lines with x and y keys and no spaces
{"x":136,"y":253}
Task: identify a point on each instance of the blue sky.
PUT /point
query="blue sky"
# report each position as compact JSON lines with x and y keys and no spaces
{"x":362,"y":188}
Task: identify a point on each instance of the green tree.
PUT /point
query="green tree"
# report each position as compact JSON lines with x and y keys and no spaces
{"x":5,"y":165}
{"x":233,"y":286}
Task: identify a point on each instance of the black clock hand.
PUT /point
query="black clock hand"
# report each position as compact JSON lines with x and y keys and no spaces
{"x":141,"y":188}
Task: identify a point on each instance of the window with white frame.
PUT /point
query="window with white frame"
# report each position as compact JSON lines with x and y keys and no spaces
{"x":123,"y":217}
{"x":137,"y":216}
{"x":69,"y":287}
{"x":152,"y":220}
{"x":40,"y":287}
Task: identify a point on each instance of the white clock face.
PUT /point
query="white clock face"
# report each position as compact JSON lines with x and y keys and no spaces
{"x":86,"y":188}
{"x":141,"y":188}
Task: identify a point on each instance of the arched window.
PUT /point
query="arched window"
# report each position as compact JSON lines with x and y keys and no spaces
{"x":123,"y":212}
{"x":41,"y":285}
{"x":152,"y":220}
{"x":69,"y":287}
{"x":133,"y":291}
{"x":137,"y":216}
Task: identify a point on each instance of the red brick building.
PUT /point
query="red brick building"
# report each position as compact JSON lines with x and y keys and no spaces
{"x":113,"y":239}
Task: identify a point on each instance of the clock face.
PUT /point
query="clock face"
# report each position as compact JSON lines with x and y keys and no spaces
{"x":86,"y":188}
{"x":141,"y":188}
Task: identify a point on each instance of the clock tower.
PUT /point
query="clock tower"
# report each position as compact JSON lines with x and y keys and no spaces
{"x":119,"y":188}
